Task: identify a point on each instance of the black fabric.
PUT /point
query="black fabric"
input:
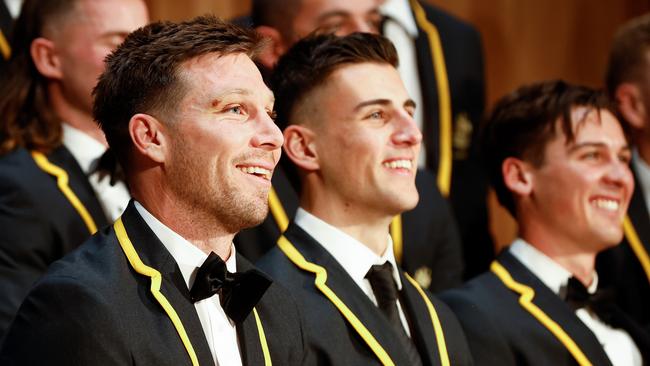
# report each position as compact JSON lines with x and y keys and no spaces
{"x":37,"y":222}
{"x":331,"y":339}
{"x":619,"y":267}
{"x":238,"y":292}
{"x":385,"y":290}
{"x":93,"y":308}
{"x":430,"y":235}
{"x":463,"y":52}
{"x":500,"y":331}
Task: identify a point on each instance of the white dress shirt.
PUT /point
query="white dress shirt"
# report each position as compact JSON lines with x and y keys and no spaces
{"x":642,"y":170}
{"x":618,"y":345}
{"x":220,"y":331}
{"x":401,"y":29}
{"x":86,"y":151}
{"x":14,"y":7}
{"x":355,"y":258}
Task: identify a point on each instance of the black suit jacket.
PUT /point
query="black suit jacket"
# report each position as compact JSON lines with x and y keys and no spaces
{"x":38,"y":223}
{"x":431,"y":244}
{"x":463,"y":57}
{"x":501,"y":331}
{"x":331,"y":338}
{"x":92,"y":308}
{"x":620,"y":267}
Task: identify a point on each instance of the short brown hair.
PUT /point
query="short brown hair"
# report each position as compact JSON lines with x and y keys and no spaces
{"x":27,"y":119}
{"x":311,"y":60}
{"x":524,"y":121}
{"x":142,"y":74}
{"x":628,"y":57}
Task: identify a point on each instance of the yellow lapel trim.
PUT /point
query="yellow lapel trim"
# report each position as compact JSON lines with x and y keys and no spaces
{"x":636,"y":245}
{"x":282,"y":220}
{"x":62,"y":180}
{"x":5,"y":49}
{"x":156,"y":279}
{"x":525,"y":300}
{"x":435,"y":321}
{"x":396,"y":235}
{"x":265,"y":347}
{"x":444,"y":100}
{"x":321,"y":277}
{"x":277,"y":211}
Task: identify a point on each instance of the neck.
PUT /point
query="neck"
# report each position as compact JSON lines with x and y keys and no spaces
{"x":75,"y":116}
{"x":194,"y":225}
{"x":369,"y":228}
{"x":580,"y":262}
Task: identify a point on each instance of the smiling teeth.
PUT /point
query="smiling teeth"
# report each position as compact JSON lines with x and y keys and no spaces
{"x":610,"y":205}
{"x":256,"y":170}
{"x":396,"y":164}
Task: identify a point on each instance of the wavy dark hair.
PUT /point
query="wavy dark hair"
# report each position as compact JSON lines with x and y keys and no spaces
{"x":523,"y":122}
{"x":27,"y":120}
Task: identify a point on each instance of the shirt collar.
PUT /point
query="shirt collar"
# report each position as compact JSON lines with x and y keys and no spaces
{"x":553,"y":275}
{"x":188,"y":257}
{"x":85,"y":149}
{"x":355,"y":257}
{"x":400,"y":12}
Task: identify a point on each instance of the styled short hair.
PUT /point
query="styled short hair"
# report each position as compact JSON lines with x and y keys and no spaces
{"x":142,"y":74}
{"x":523,"y":122}
{"x":28,"y":120}
{"x":628,"y":57}
{"x":311,"y":60}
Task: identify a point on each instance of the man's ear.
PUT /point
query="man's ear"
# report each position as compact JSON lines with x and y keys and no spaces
{"x":629,"y":100}
{"x":45,"y":58}
{"x":300,"y":148}
{"x":275,"y":48}
{"x":148,"y":136}
{"x":517,"y":176}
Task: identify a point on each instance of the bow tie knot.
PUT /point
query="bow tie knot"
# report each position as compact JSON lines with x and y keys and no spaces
{"x":577,"y":296}
{"x":238,"y":292}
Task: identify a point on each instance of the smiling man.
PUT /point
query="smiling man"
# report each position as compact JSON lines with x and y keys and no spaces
{"x":190,"y":119}
{"x":354,"y":144}
{"x":558,"y":160}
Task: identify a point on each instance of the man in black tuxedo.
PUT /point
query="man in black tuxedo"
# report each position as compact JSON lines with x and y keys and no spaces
{"x":558,"y":160}
{"x":354,"y":145}
{"x":426,"y":239}
{"x":52,"y":194}
{"x":627,"y":266}
{"x":189,"y":118}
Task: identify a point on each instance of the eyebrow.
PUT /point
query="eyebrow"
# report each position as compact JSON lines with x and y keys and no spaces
{"x":217,"y":99}
{"x":408,"y":103}
{"x":594,"y":144}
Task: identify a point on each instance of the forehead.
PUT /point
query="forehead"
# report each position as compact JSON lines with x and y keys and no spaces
{"x":591,"y":125}
{"x":213,"y":74}
{"x":365,"y":81}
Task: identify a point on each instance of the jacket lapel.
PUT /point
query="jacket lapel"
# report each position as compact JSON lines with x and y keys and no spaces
{"x":422,"y":332}
{"x":154,"y":254}
{"x":557,"y":310}
{"x":79,"y":184}
{"x":349,"y":293}
{"x":639,"y":215}
{"x":247,"y":333}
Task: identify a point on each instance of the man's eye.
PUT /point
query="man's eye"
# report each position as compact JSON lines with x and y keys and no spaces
{"x":235,"y":109}
{"x":273,"y":115}
{"x":376,"y":115}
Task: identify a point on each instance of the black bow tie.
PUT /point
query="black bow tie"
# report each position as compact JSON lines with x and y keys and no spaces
{"x":238,"y":292}
{"x":577,"y":296}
